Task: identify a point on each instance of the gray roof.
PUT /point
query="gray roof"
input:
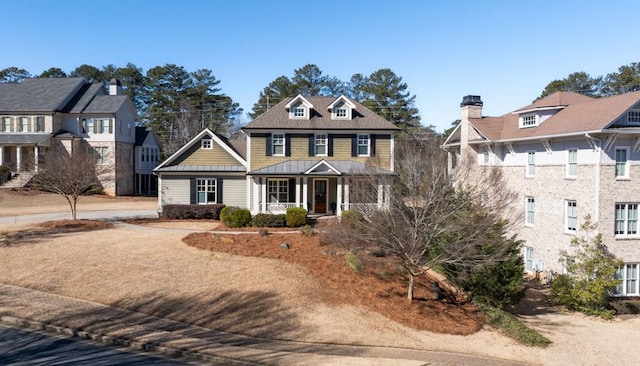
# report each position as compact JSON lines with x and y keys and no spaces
{"x":141,"y":134}
{"x":203,"y":168}
{"x":105,"y":104}
{"x":278,"y":117}
{"x":39,"y":94}
{"x":86,"y":95}
{"x":24,"y":138}
{"x":298,"y":167}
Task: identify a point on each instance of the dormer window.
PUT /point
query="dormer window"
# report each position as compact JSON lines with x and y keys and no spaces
{"x":341,"y":108}
{"x":633,"y":117}
{"x":528,"y":120}
{"x":298,"y":112}
{"x":341,"y":112}
{"x":206,"y":144}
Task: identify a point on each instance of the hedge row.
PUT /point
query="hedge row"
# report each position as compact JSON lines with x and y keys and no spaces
{"x":192,"y":212}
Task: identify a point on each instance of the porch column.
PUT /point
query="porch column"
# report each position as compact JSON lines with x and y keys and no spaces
{"x":305,"y":192}
{"x":387,"y":193}
{"x":263,"y":194}
{"x":255,"y":194}
{"x":1,"y":155}
{"x":380,"y":193}
{"x":339,"y":198}
{"x":298,"y":192}
{"x":346,"y":193}
{"x":18,"y":158}
{"x":248,"y":194}
{"x":36,"y":151}
{"x":159,"y":192}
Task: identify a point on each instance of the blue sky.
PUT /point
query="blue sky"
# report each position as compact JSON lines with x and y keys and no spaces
{"x":505,"y":51}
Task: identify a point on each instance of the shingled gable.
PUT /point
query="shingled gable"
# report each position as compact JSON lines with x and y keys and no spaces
{"x":277,"y":118}
{"x":40,"y":95}
{"x":220,"y":140}
{"x":341,"y":108}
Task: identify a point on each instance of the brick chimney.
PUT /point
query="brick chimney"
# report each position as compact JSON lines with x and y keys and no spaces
{"x":471,"y":107}
{"x":115,"y":87}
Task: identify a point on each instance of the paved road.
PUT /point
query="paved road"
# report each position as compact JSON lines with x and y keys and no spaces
{"x":92,"y":215}
{"x":22,"y":347}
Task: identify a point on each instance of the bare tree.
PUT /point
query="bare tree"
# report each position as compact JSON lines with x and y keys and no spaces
{"x":434,"y":218}
{"x":70,"y":172}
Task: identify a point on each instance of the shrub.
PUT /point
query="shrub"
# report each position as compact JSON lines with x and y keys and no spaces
{"x":513,"y":327}
{"x":591,"y":275}
{"x":269,"y":220}
{"x":296,"y":216}
{"x":4,"y":169}
{"x":307,"y":230}
{"x":353,"y":261}
{"x":192,"y":212}
{"x":263,"y":232}
{"x":235,"y":216}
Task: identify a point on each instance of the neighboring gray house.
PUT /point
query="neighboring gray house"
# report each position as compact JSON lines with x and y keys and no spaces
{"x":147,"y":158}
{"x":567,"y":156}
{"x":39,"y":114}
{"x":208,"y":169}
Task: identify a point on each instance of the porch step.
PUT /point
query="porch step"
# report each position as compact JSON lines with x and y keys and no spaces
{"x":19,"y":180}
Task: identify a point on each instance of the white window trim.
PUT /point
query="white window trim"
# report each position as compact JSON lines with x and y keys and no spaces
{"x":305,"y":112}
{"x":567,"y":229}
{"x":568,"y":173}
{"x":528,"y":173}
{"x":206,"y":143}
{"x":529,"y":220}
{"x":633,"y":117}
{"x":273,"y":145}
{"x":279,"y":182}
{"x":103,"y":155}
{"x":522,"y":118}
{"x":207,"y":185}
{"x":102,"y":125}
{"x":528,"y":259}
{"x":625,"y":234}
{"x":315,"y":144}
{"x":627,"y":166}
{"x":622,"y":289}
{"x":368,"y":144}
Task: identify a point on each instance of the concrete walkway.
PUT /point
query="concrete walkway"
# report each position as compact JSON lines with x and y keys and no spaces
{"x":82,"y":215}
{"x":111,"y":325}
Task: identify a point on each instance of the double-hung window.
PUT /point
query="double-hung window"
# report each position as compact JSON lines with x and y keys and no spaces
{"x":40,"y":124}
{"x":363,"y":145}
{"x":321,"y":144}
{"x":530,"y":211}
{"x":88,"y":125}
{"x":206,"y":191}
{"x":531,"y":164}
{"x":278,"y":190}
{"x":628,"y":276}
{"x":528,"y":258}
{"x":104,"y":125}
{"x":622,"y":163}
{"x":6,"y":124}
{"x":102,"y":155}
{"x":277,"y":144}
{"x":572,"y":163}
{"x":24,"y":124}
{"x":626,"y":219}
{"x":571,"y":221}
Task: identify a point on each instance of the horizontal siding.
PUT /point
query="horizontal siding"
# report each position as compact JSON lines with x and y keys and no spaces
{"x":175,"y":190}
{"x":300,"y":151}
{"x":198,"y":156}
{"x":234,"y":192}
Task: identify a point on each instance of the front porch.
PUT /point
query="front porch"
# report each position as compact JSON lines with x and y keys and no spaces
{"x":321,"y":195}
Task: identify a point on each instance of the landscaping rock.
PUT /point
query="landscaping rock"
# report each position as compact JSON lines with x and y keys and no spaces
{"x":285,"y":246}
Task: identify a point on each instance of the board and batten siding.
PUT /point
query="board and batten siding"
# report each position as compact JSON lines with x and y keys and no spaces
{"x":300,"y":150}
{"x":176,"y":190}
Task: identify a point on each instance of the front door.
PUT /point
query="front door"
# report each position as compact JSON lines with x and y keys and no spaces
{"x":320,"y":196}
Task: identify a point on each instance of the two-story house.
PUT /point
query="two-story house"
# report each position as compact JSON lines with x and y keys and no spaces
{"x":303,"y":152}
{"x":566,"y":156}
{"x":43,"y":115}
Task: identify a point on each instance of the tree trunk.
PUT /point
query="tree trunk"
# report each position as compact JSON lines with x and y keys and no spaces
{"x":74,"y":210}
{"x":410,"y":291}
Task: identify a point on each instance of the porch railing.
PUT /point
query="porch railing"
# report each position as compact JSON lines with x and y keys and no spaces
{"x":279,"y":208}
{"x":366,"y":209}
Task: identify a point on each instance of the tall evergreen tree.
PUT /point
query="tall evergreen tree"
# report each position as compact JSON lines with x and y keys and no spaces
{"x":91,"y":73}
{"x":53,"y":72}
{"x":386,"y":94}
{"x":627,"y":79}
{"x":13,"y":75}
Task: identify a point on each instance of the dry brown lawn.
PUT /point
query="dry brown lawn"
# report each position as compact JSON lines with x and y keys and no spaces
{"x":246,"y":284}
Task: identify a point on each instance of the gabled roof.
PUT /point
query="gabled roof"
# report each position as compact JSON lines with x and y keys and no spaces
{"x":144,"y":133}
{"x":310,"y":167}
{"x":39,"y":94}
{"x":301,"y":99}
{"x":278,"y":118}
{"x":220,"y":140}
{"x":580,"y":115}
{"x":339,"y":99}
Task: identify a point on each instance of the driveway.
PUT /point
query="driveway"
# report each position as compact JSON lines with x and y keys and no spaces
{"x":115,"y":214}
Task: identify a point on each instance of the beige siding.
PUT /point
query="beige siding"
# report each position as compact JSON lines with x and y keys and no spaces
{"x":176,"y":190}
{"x":300,"y":151}
{"x":234,"y":191}
{"x":198,"y":156}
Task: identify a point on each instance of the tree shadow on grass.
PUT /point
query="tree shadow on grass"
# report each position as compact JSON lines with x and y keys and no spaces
{"x":48,"y":230}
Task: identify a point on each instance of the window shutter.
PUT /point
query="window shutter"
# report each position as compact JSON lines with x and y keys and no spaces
{"x":95,"y":126}
{"x":292,"y":190}
{"x":312,"y":144}
{"x":31,"y":121}
{"x":287,"y":144}
{"x":372,"y":143}
{"x":219,"y":190}
{"x":329,"y":145}
{"x":193,"y":191}
{"x":354,"y":145}
{"x":110,"y":126}
{"x":11,"y":124}
{"x":268,"y":144}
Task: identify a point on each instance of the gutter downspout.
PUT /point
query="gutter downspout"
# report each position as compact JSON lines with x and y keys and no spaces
{"x":597,"y":185}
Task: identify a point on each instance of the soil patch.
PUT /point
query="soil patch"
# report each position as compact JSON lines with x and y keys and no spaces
{"x":377,"y":286}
